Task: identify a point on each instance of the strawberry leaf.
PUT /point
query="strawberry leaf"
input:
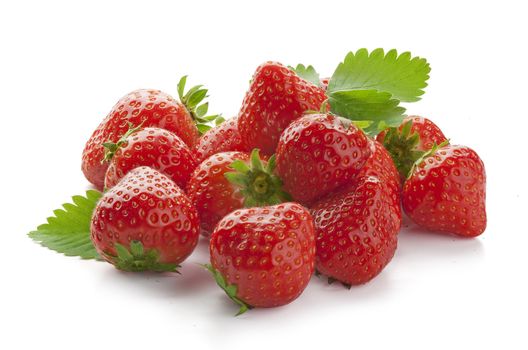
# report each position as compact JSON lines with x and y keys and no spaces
{"x":307,"y":73}
{"x":403,"y":76}
{"x":68,"y":232}
{"x":372,"y":109}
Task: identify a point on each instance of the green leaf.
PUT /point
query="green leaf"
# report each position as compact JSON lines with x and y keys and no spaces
{"x":181,"y":87}
{"x":229,"y":289}
{"x":307,"y":73}
{"x":376,"y":108}
{"x":201,"y":110}
{"x":137,"y":259}
{"x":68,"y":232}
{"x":203,"y":128}
{"x":402,"y":76}
{"x":196,"y":97}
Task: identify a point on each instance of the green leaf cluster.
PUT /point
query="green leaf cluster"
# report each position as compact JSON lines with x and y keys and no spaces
{"x":368,"y":87}
{"x":68,"y":231}
{"x":193,"y":100}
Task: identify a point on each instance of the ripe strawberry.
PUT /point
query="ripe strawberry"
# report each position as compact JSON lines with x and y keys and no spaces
{"x":380,"y":165}
{"x":145,"y":222}
{"x":408,"y":142}
{"x":146,"y":108}
{"x":157,"y":148}
{"x":446,"y":191}
{"x":263,"y":256}
{"x":319,"y":153}
{"x":356,"y":230}
{"x":222,"y":138}
{"x":231,"y":180}
{"x":276,"y":97}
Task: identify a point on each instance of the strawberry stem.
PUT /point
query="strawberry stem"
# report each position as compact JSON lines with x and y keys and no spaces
{"x":259,"y":185}
{"x":112,"y":147}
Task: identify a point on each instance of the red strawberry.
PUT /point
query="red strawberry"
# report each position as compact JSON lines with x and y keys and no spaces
{"x":380,"y":165}
{"x":356,"y":230}
{"x":408,"y":142}
{"x":145,"y":222}
{"x":146,"y":108}
{"x":157,"y":148}
{"x":263,"y":256}
{"x":319,"y":153}
{"x":222,"y":138}
{"x":231,"y":180}
{"x":276,"y":97}
{"x":446,"y":191}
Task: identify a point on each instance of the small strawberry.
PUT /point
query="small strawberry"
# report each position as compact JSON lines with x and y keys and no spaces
{"x":146,"y":108}
{"x":324,"y":83}
{"x":263,"y":256}
{"x":276,"y":97}
{"x":222,"y":138}
{"x":145,"y":222}
{"x":408,"y":142}
{"x":446,"y":191}
{"x":319,"y":153}
{"x":356,"y":230}
{"x":232,"y":180}
{"x":157,"y":148}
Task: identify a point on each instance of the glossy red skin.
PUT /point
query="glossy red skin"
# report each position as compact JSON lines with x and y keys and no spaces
{"x":157,"y":148}
{"x":317,"y":154}
{"x":447,"y":192}
{"x":148,"y":207}
{"x":212,"y":194}
{"x":276,"y":97}
{"x":356,"y":230}
{"x":428,"y":131}
{"x":150,"y":107}
{"x":380,"y":164}
{"x":222,"y":138}
{"x":267,"y":252}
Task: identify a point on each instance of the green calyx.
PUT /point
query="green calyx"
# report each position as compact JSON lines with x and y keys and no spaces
{"x":401,"y":145}
{"x":110,"y":148}
{"x":425,"y":155}
{"x":192,"y":99}
{"x":137,"y":259}
{"x":259,"y":185}
{"x":229,"y":289}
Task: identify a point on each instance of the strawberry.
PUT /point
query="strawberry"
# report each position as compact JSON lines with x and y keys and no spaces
{"x":356,"y":230}
{"x":276,"y":97}
{"x":408,"y":142}
{"x":263,"y":256}
{"x":146,"y":108}
{"x":145,"y":222}
{"x":157,"y":148}
{"x":222,"y":138}
{"x":446,"y":191}
{"x":319,"y":153}
{"x":231,"y":180}
{"x":380,"y":165}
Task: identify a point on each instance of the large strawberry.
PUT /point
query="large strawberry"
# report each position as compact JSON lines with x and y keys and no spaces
{"x":319,"y":153}
{"x":446,"y":191}
{"x":276,"y":97}
{"x":157,"y":148}
{"x":232,"y":180}
{"x":145,"y":222}
{"x":146,"y":108}
{"x":264,"y":256}
{"x":356,"y":230}
{"x":408,"y":142}
{"x":222,"y":138}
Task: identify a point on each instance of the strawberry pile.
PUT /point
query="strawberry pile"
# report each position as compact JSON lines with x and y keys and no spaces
{"x":310,"y":176}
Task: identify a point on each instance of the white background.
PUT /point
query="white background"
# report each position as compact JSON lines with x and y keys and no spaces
{"x":64,"y":65}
